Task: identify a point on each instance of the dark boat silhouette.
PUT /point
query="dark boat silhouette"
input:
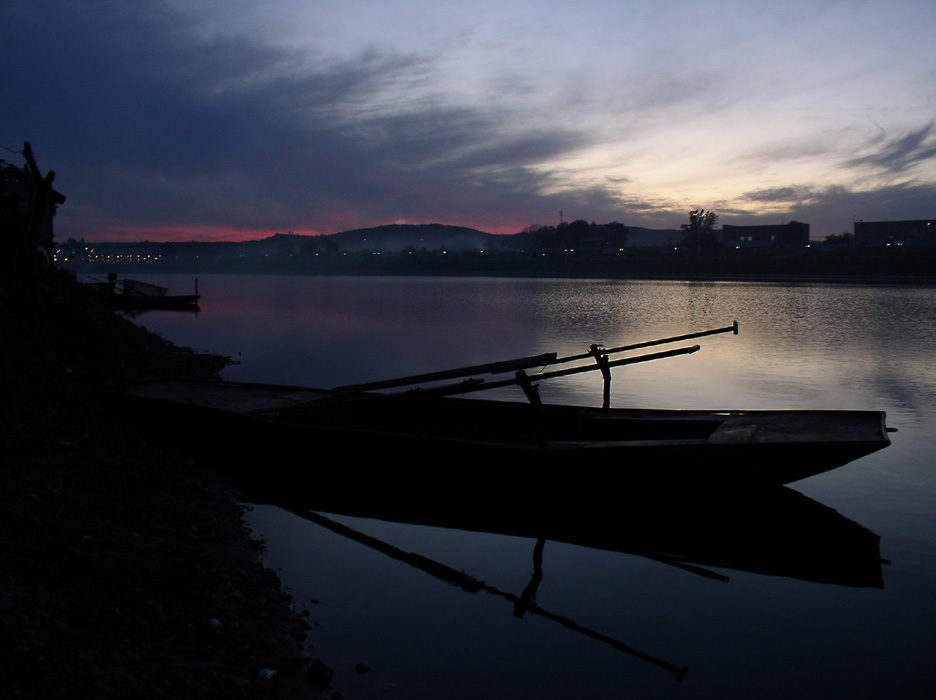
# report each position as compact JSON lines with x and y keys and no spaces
{"x":420,"y":429}
{"x":271,"y":423}
{"x":134,"y":295}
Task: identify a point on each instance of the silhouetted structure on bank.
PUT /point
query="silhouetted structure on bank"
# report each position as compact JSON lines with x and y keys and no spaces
{"x":27,"y":205}
{"x":880,"y":234}
{"x":771,"y":238}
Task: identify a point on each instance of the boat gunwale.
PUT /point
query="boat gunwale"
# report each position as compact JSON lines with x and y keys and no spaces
{"x":587,"y":413}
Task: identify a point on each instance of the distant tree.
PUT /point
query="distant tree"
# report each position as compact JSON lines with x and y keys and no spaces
{"x":576,"y":231}
{"x":546,"y":237}
{"x":844,"y":238}
{"x":700,"y":232}
{"x":571,"y":234}
{"x":615,"y":234}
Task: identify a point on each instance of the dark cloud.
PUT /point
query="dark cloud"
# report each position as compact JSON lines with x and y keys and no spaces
{"x":149,"y":125}
{"x":833,"y":209}
{"x":780,"y":195}
{"x":901,"y":153}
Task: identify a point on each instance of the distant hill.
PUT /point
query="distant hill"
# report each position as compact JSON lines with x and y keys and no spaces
{"x":397,"y":237}
{"x":392,"y":238}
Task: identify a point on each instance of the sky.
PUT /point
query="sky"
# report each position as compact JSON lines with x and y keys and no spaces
{"x":237,"y":119}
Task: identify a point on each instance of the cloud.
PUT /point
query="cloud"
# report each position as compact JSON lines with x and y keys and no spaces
{"x":900,"y":154}
{"x":228,"y":116}
{"x":833,"y":208}
{"x":795,"y":195}
{"x":165,"y":129}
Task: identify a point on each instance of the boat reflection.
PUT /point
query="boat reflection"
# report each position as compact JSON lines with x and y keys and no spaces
{"x":523,"y":603}
{"x":776,"y":531}
{"x":771,"y":531}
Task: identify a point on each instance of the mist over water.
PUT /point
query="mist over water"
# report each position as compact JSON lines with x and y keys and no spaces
{"x":765,"y":635}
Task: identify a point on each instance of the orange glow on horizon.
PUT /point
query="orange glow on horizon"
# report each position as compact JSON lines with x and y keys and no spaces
{"x":218,"y":233}
{"x":185,"y":233}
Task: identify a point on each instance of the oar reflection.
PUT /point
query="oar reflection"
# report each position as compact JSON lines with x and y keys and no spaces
{"x":523,"y":603}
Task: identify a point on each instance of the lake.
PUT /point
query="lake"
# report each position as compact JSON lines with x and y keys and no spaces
{"x":608,"y":624}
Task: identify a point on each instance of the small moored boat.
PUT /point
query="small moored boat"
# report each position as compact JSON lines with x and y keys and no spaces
{"x":134,"y":295}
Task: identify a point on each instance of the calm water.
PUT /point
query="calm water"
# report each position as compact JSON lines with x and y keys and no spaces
{"x":754,"y":635}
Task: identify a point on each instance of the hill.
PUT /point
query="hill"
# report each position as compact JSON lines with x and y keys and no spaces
{"x":398,"y":237}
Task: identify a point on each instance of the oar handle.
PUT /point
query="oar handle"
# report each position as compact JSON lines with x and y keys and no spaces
{"x":733,"y":328}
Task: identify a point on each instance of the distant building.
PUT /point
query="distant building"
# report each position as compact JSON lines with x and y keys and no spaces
{"x":793,"y":235}
{"x":653,"y":239}
{"x":878,"y":234}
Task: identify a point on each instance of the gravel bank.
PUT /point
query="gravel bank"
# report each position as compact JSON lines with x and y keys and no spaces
{"x":128,"y":571}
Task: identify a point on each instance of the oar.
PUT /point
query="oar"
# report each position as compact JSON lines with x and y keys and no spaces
{"x":617,"y":363}
{"x":473,"y":384}
{"x":733,"y":328}
{"x":488,"y":368}
{"x":521,"y":377}
{"x":544,"y":359}
{"x":467,"y":386}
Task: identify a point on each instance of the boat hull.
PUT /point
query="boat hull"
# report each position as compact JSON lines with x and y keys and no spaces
{"x":397,"y":441}
{"x":129,"y":302}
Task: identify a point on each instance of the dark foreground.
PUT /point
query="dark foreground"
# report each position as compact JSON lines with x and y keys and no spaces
{"x":127,"y":569}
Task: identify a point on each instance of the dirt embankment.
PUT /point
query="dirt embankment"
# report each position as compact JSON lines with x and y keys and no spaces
{"x":127,"y":570}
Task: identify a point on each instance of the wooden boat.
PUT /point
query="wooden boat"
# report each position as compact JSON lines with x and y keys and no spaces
{"x":134,"y":295}
{"x":410,"y":437}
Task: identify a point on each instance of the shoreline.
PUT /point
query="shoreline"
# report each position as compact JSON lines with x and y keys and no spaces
{"x":130,"y":570}
{"x":779,"y":278}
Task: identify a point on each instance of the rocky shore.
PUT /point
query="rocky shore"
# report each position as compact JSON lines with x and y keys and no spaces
{"x":127,"y":568}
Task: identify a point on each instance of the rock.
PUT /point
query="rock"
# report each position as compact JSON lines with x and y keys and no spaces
{"x":320,"y":674}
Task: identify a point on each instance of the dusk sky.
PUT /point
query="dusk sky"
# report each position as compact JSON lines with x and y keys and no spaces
{"x":235,"y":119}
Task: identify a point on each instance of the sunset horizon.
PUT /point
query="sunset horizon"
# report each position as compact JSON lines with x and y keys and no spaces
{"x":228,"y":121}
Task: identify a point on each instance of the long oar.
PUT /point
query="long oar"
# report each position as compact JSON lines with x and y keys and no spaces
{"x":733,"y":328}
{"x":544,"y":359}
{"x":488,"y":368}
{"x":476,"y":384}
{"x":521,"y":378}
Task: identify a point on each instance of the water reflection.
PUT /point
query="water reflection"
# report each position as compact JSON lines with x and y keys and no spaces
{"x":523,"y":603}
{"x":802,"y":346}
{"x":774,"y":532}
{"x":768,"y":531}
